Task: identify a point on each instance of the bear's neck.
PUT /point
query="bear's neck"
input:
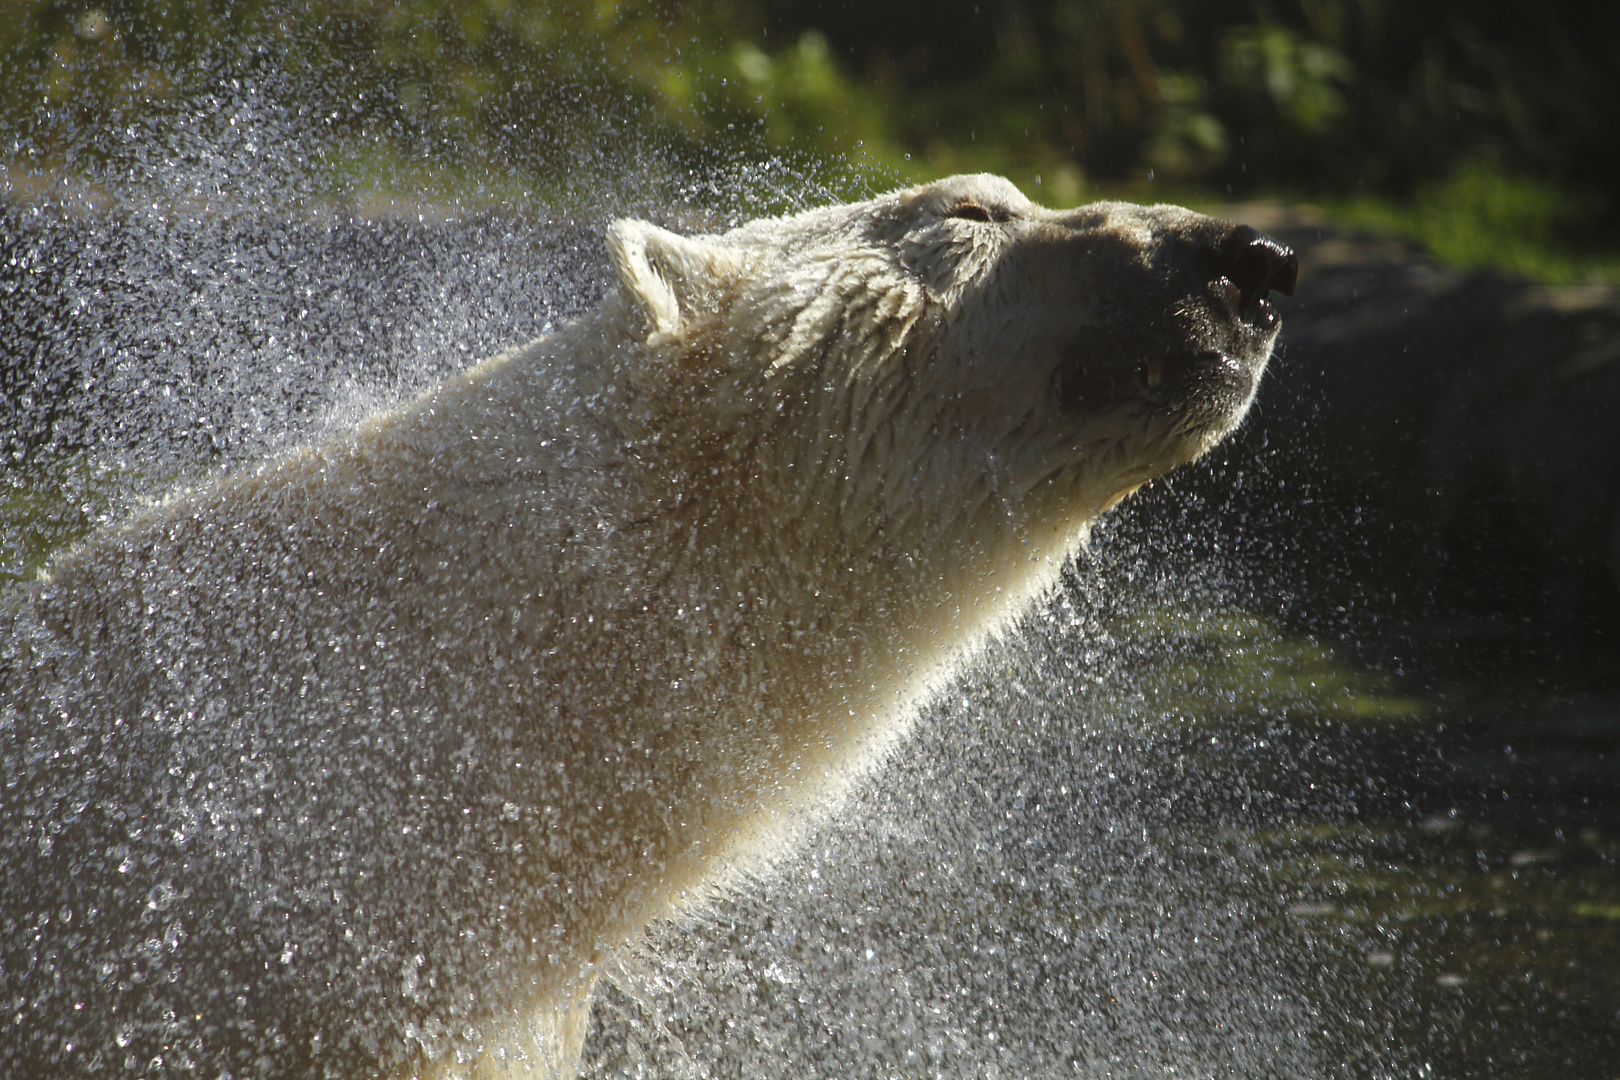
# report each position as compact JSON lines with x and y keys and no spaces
{"x":788,"y":616}
{"x":837,"y":606}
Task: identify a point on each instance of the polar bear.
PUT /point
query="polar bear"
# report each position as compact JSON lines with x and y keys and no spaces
{"x":358,"y":763}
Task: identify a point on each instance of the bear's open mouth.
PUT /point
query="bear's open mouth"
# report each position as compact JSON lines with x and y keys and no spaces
{"x":1248,"y":266}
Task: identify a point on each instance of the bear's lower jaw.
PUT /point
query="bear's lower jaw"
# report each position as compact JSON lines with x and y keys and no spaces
{"x":1180,"y":375}
{"x":1194,"y":389}
{"x":1208,"y":388}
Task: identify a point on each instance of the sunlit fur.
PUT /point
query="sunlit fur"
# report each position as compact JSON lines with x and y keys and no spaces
{"x":444,"y":711}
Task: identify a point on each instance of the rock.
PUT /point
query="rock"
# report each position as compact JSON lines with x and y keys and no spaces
{"x":1468,"y":420}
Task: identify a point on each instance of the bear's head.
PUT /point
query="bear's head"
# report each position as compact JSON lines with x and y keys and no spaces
{"x":956,"y":354}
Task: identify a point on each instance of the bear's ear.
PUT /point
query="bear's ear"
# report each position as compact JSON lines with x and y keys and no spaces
{"x":667,"y":274}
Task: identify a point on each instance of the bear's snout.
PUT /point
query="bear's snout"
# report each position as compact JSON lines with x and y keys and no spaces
{"x":1250,"y":264}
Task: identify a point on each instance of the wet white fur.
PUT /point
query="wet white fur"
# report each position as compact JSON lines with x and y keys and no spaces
{"x":721,"y":535}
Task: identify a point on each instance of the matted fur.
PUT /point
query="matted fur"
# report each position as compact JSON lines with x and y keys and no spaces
{"x":358,"y":762}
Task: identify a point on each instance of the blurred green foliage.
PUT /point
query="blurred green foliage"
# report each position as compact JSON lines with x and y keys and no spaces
{"x":1387,"y":110}
{"x":1482,"y":216}
{"x":45,"y":511}
{"x":1234,"y":671}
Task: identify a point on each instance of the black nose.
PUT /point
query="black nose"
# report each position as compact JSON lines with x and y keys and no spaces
{"x":1256,"y":264}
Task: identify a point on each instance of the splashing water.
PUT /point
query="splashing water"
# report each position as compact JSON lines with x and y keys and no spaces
{"x":1081,"y":863}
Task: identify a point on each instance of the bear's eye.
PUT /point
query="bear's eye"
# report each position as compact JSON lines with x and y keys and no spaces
{"x":972,"y":211}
